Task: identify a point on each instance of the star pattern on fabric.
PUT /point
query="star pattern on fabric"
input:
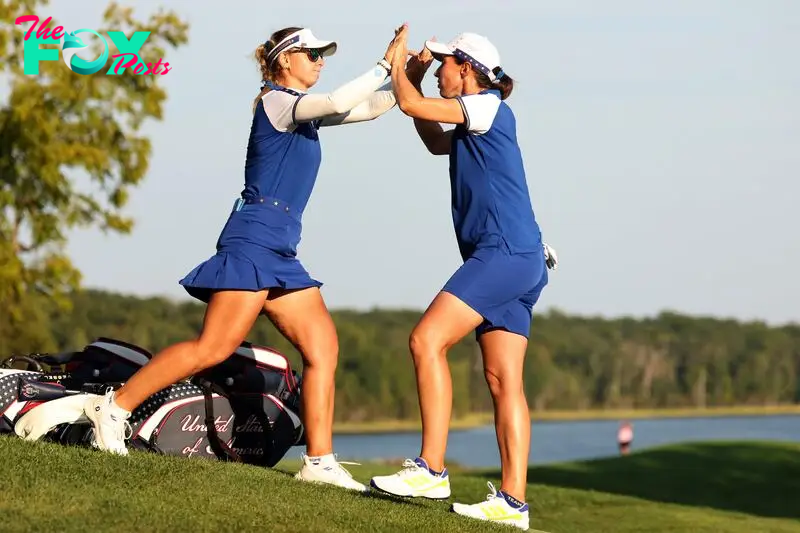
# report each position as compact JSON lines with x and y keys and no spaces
{"x":9,"y":387}
{"x":156,"y":401}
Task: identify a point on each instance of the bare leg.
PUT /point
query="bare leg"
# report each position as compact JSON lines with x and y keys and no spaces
{"x":302,"y":317}
{"x":229,"y":317}
{"x":446,"y":321}
{"x":503,"y":357}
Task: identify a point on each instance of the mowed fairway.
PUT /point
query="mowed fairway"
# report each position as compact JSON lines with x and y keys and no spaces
{"x":710,"y":487}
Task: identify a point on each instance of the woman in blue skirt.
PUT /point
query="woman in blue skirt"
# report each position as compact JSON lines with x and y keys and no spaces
{"x":255,"y":269}
{"x":501,"y":279}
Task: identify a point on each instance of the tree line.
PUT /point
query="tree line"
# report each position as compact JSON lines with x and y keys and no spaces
{"x":573,"y":362}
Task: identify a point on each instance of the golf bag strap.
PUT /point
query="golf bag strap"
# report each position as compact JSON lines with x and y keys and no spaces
{"x":220,"y":448}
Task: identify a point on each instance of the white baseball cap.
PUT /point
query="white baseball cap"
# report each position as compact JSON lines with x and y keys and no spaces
{"x":302,"y":39}
{"x":475,"y":49}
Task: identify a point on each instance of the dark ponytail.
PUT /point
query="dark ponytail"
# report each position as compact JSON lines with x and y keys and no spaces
{"x":504,"y":84}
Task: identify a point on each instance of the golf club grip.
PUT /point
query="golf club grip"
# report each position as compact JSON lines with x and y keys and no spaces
{"x":41,"y":391}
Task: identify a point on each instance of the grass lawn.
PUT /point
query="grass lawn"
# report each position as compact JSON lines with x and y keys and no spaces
{"x":708,"y":487}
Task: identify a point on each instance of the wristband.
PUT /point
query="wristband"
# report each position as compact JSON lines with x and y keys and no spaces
{"x":386,"y":65}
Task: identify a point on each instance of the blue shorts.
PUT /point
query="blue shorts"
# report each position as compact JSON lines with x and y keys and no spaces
{"x":501,"y":286}
{"x":256,"y":250}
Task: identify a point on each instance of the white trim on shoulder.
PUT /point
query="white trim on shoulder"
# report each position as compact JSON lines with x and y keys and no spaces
{"x":480,"y":111}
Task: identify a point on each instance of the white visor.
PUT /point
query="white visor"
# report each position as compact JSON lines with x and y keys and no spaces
{"x":471,"y":48}
{"x":302,"y":39}
{"x":439,"y":50}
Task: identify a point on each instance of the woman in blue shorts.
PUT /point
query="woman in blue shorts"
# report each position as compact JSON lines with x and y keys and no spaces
{"x":504,"y":270}
{"x":255,"y":269}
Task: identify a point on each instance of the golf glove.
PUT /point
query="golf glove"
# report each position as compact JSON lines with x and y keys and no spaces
{"x":550,"y":257}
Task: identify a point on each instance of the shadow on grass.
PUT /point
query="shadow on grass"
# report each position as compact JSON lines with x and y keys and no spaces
{"x":754,"y":478}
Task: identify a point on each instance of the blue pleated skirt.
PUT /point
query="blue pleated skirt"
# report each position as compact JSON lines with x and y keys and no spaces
{"x":256,"y":250}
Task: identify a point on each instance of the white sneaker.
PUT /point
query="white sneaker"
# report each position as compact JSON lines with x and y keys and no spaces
{"x":110,"y":422}
{"x":415,"y":480}
{"x":495,"y":509}
{"x":328,"y":470}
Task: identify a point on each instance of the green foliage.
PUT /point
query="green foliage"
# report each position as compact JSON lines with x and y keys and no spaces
{"x":70,"y":150}
{"x":573,"y":362}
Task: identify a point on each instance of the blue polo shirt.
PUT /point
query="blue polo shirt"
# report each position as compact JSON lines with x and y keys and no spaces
{"x":283,"y":157}
{"x":491,"y":204}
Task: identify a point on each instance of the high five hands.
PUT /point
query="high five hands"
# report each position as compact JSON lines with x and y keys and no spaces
{"x":400,"y":43}
{"x":400,"y":35}
{"x":398,"y":52}
{"x":418,"y":64}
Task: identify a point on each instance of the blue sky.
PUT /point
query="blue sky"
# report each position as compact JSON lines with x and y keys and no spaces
{"x":660,"y":141}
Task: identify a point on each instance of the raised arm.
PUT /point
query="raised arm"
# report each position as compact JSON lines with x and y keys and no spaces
{"x":376,"y":105}
{"x":436,"y":140}
{"x":410,"y":99}
{"x":343,"y":100}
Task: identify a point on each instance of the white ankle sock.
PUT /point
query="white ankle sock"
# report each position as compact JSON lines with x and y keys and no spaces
{"x":322,"y":459}
{"x":116,"y":409}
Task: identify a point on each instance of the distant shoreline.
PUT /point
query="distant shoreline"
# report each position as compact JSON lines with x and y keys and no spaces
{"x":484,"y":419}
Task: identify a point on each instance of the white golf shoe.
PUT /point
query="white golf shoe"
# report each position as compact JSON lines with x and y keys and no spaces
{"x":415,"y":480}
{"x":499,"y":508}
{"x":328,"y":470}
{"x":110,"y":422}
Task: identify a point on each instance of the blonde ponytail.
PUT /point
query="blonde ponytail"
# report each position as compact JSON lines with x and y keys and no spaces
{"x":270,"y":71}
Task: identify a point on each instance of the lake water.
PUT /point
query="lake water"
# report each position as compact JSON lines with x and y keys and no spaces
{"x":574,"y":440}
